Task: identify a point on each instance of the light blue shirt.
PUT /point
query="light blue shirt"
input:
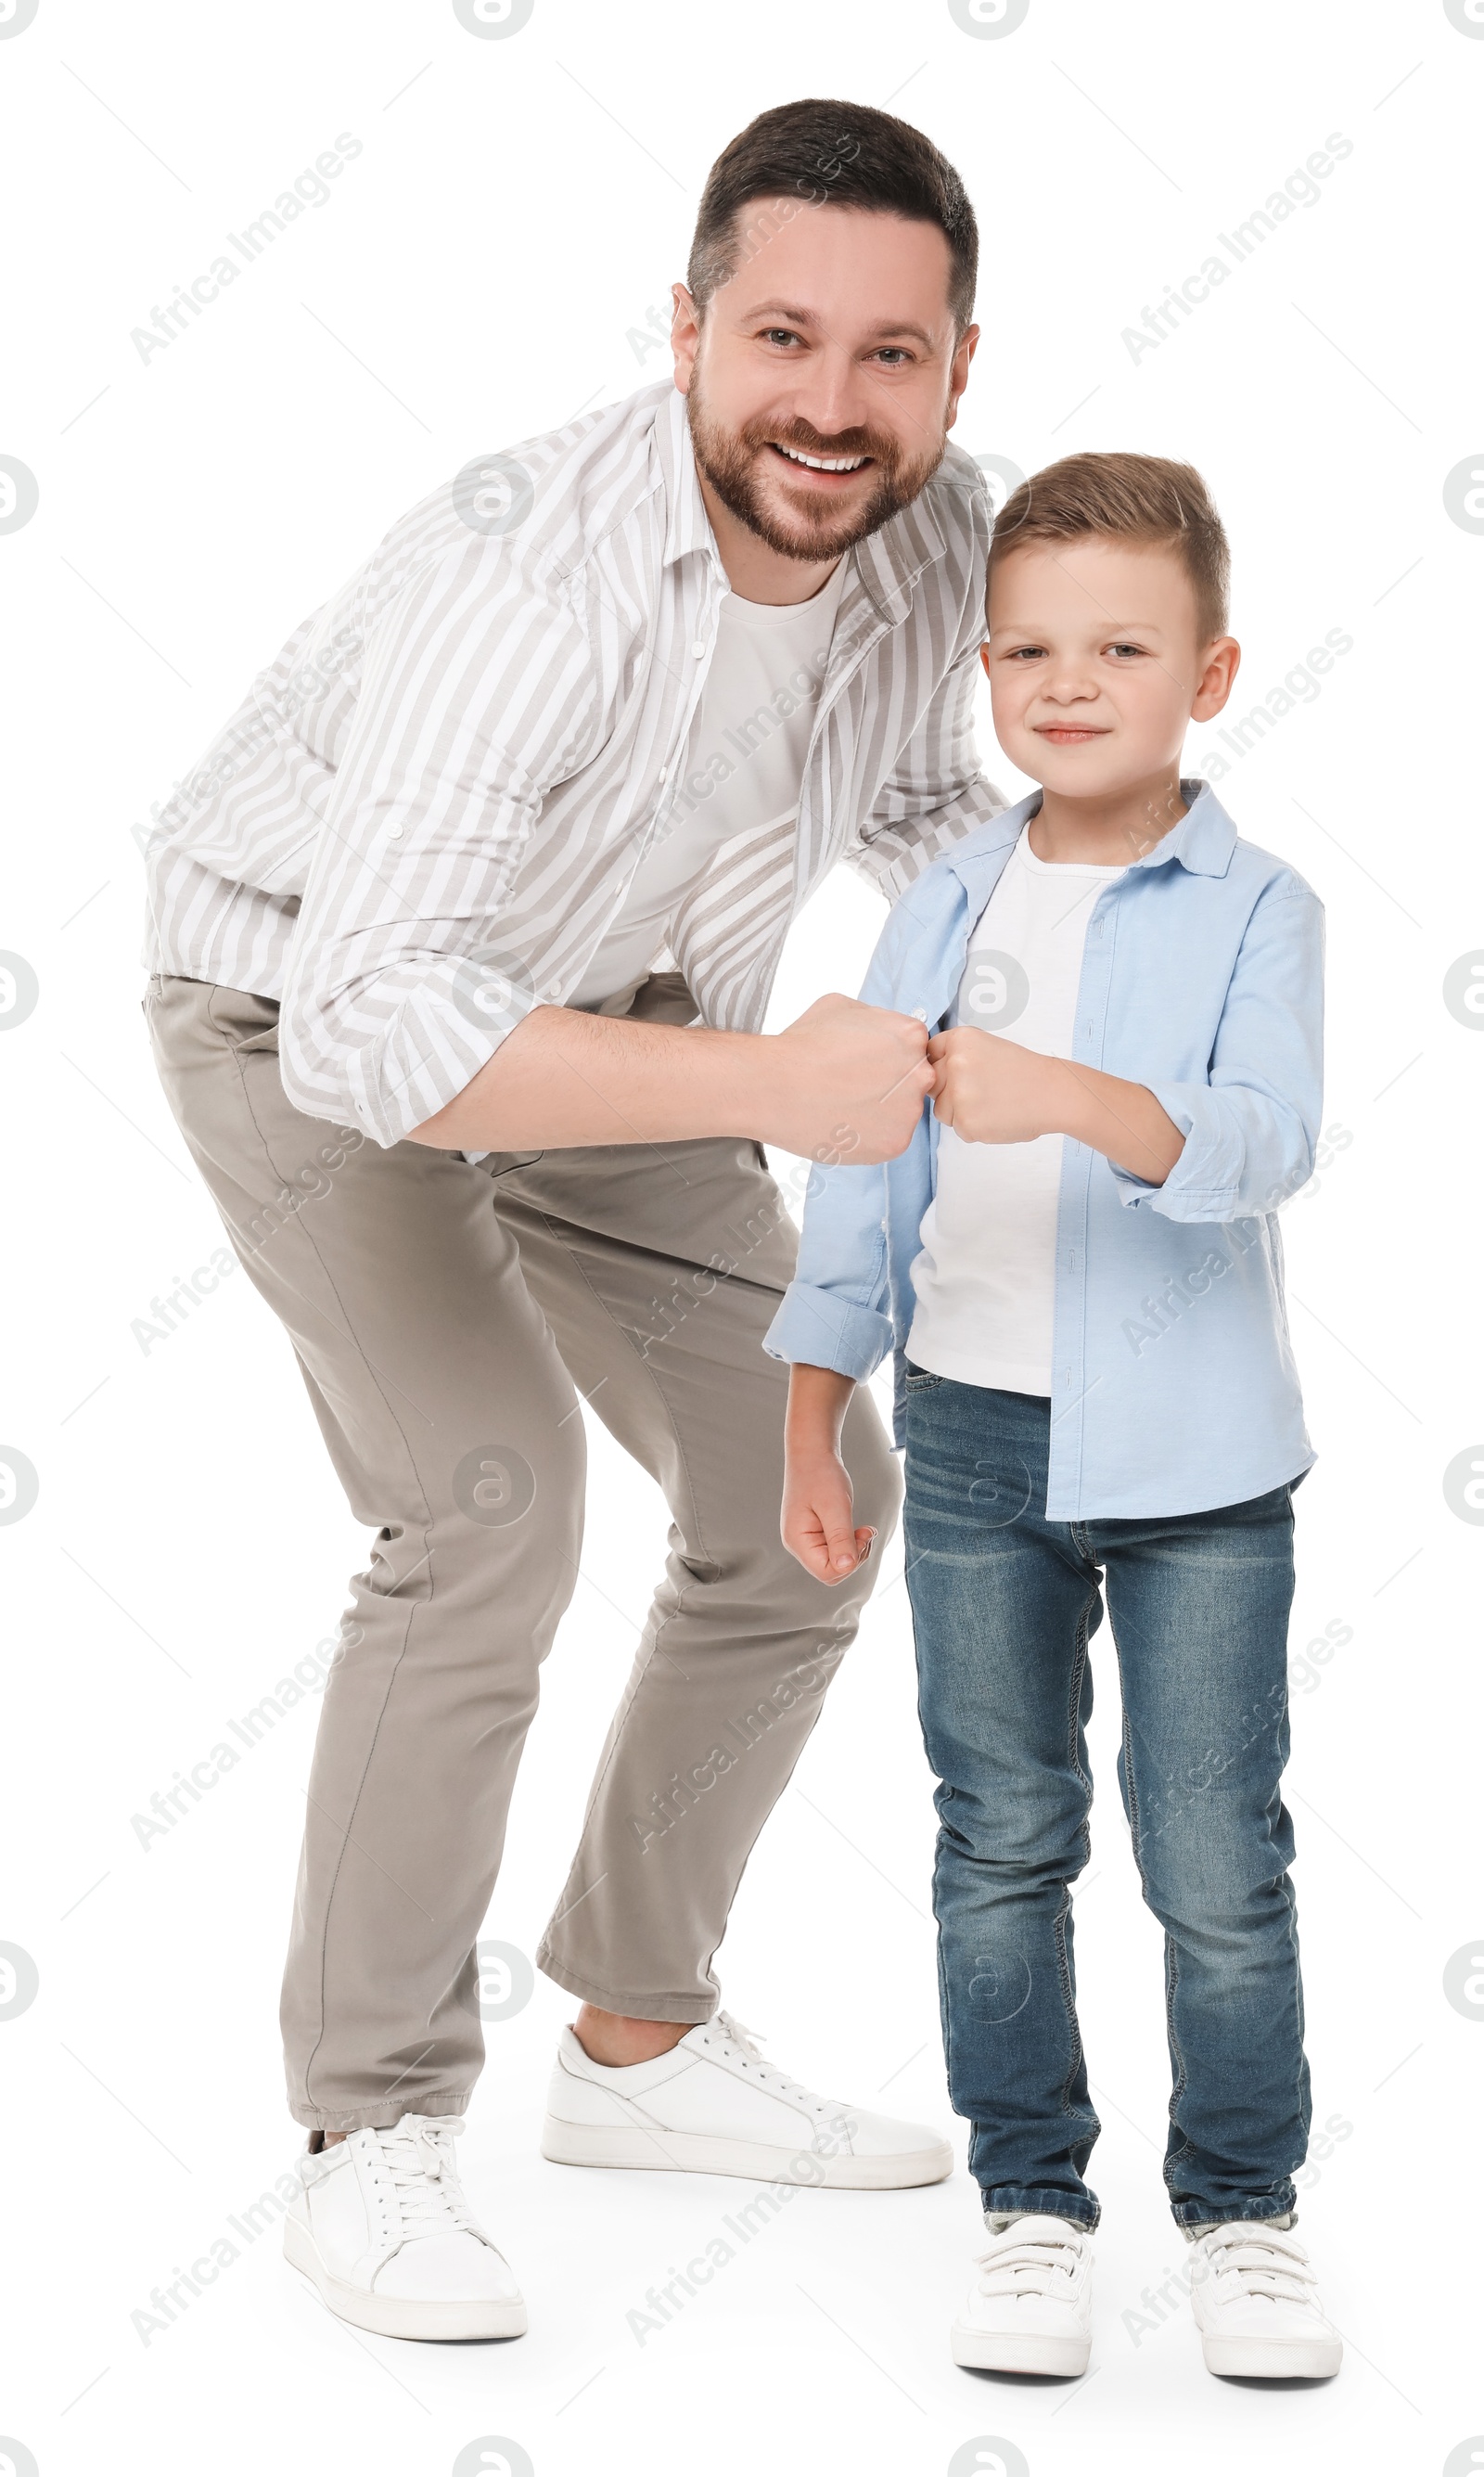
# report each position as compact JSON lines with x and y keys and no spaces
{"x":1174,"y":1388}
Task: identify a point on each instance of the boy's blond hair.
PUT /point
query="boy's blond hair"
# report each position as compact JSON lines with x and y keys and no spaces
{"x":1119,"y":497}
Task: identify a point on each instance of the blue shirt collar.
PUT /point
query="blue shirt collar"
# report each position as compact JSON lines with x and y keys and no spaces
{"x":1203,"y":842}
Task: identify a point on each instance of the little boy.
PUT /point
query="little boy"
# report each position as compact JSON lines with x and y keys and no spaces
{"x":1077,"y":1262}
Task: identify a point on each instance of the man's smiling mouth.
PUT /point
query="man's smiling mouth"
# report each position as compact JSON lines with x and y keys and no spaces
{"x":820,"y":463}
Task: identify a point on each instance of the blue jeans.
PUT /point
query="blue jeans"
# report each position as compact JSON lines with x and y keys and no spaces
{"x":1004,"y":1603}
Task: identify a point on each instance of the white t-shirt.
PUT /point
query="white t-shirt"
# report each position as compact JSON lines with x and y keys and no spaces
{"x":985,"y":1279}
{"x":748,"y":742}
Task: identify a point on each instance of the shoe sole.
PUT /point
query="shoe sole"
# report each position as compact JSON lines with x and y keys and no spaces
{"x":1271,"y":2360}
{"x":700,"y":2154}
{"x":1019,"y":2352}
{"x":403,"y":2318}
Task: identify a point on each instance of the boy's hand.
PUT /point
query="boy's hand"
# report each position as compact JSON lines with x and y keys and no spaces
{"x":818,"y":1500}
{"x":990,"y":1090}
{"x":817,"y":1528}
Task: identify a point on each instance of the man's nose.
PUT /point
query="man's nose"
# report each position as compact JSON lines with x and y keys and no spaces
{"x":829,"y":394}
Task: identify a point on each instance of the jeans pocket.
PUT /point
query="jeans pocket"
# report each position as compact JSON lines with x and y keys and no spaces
{"x":919,"y":1379}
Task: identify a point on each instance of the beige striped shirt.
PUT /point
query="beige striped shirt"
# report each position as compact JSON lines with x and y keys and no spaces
{"x":423,"y":817}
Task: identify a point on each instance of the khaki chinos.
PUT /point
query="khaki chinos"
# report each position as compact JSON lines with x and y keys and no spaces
{"x":445,"y":1315}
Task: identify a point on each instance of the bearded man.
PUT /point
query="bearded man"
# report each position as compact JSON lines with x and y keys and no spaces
{"x":462,"y":936}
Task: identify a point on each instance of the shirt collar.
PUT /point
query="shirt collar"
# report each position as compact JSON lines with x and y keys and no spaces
{"x":687,"y":526}
{"x":1203,"y":842}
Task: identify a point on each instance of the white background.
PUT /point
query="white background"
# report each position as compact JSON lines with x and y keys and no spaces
{"x":484,"y":269}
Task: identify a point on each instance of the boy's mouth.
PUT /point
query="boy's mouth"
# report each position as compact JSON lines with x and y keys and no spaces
{"x":1068,"y":735}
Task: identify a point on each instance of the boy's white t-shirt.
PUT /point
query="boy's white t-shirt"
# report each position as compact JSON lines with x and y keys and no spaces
{"x":985,"y":1279}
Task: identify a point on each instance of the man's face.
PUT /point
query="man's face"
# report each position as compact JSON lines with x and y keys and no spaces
{"x":832,"y":341}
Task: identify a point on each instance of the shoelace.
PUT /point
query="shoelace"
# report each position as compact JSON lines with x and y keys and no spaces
{"x":418,"y":2154}
{"x":1264,"y":2261}
{"x":1027,"y":2265}
{"x":737,"y":2034}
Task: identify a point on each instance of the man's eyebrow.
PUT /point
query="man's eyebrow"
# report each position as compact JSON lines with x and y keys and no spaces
{"x":789,"y":312}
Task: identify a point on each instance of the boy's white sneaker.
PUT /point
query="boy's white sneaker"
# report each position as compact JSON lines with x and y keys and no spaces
{"x":714,"y":2105}
{"x":1256,"y":2304}
{"x":1030,"y":2308}
{"x":382,"y":2227}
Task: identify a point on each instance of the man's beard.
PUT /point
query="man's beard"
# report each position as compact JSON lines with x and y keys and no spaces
{"x":729,"y":460}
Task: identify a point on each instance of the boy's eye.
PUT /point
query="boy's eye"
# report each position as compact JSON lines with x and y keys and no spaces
{"x":1125,"y":649}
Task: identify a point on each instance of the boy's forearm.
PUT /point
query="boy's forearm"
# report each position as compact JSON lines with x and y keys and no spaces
{"x":817,"y":1399}
{"x":1119,"y":1120}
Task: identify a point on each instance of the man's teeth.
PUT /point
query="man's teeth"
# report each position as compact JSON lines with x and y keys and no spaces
{"x":824,"y":464}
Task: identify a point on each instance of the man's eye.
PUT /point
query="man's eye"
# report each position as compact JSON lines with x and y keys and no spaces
{"x":779,"y":336}
{"x":894,"y":356}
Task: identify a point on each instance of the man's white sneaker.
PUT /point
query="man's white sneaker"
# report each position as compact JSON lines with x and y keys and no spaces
{"x":1256,"y":2304}
{"x":714,"y":2105}
{"x":1030,"y":2308}
{"x":382,"y":2227}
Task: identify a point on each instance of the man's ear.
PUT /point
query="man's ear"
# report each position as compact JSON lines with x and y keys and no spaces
{"x":1217,"y":672}
{"x":684,"y":336}
{"x":958,"y":372}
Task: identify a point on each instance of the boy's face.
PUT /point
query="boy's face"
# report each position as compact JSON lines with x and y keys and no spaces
{"x":1096,"y":664}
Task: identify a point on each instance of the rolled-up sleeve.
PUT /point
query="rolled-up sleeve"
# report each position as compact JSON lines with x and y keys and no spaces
{"x":1251,"y":1125}
{"x":835,"y":1311}
{"x":476,"y":699}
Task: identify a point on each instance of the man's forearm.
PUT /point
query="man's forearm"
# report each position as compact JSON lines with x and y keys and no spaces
{"x":563,"y":1078}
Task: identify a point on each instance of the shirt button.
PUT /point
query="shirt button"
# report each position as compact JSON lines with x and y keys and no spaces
{"x":664,"y":774}
{"x":698,"y":649}
{"x":554,"y":990}
{"x":394,"y":831}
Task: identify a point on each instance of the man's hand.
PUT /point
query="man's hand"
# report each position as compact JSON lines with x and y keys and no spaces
{"x":818,"y":1499}
{"x":990,"y":1090}
{"x":846,"y":1083}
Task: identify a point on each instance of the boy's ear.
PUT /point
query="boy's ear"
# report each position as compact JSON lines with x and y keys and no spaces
{"x":1222,"y":656}
{"x":984,"y":657}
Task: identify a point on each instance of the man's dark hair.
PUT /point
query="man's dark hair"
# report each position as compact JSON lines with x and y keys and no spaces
{"x":828,"y":153}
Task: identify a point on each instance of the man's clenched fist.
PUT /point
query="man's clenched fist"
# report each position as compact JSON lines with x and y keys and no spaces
{"x":847,"y":1082}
